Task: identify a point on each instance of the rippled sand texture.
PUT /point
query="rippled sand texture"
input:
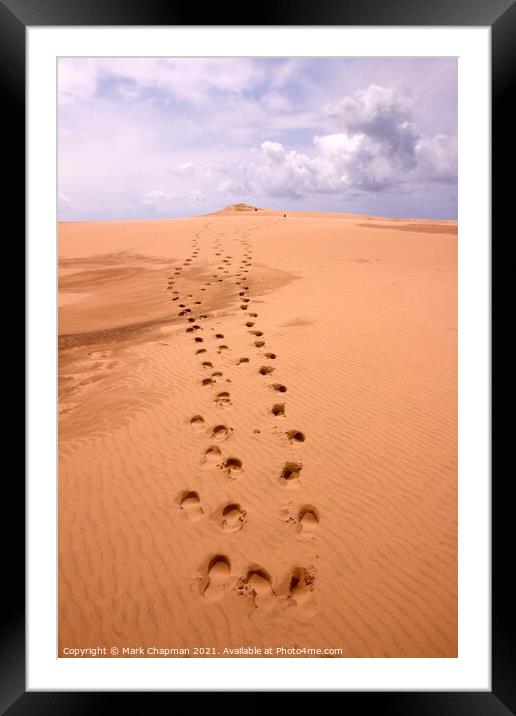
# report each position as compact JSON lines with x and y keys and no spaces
{"x":257,"y":434}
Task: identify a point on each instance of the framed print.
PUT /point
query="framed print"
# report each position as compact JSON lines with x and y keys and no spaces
{"x":258,"y":366}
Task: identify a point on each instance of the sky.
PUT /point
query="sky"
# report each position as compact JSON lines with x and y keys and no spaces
{"x":148,"y":138}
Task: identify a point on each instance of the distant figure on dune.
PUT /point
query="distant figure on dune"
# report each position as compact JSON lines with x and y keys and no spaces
{"x":284,"y":216}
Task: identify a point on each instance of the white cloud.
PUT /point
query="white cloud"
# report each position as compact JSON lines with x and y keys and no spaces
{"x":377,"y":148}
{"x":79,"y":78}
{"x":437,"y":158}
{"x":384,"y":115}
{"x":274,"y":151}
{"x":282,"y":173}
{"x":368,"y":106}
{"x":158,"y":198}
{"x":336,"y":162}
{"x":186,"y":169}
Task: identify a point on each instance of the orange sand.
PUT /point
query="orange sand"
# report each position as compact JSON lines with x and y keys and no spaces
{"x":192,"y":516}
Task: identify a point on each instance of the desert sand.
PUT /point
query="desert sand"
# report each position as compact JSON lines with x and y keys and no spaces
{"x":258,"y":435}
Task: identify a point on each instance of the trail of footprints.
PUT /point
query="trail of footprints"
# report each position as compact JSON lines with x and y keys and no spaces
{"x":218,"y":578}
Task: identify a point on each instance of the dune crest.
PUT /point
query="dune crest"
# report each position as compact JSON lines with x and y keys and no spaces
{"x":232,"y":208}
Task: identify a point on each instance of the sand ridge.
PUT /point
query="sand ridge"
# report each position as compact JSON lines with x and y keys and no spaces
{"x":257,"y":434}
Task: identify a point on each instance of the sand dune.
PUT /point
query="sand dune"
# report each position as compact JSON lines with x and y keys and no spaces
{"x":257,"y":434}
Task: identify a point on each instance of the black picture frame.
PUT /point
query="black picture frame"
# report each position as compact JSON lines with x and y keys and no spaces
{"x":500,"y":15}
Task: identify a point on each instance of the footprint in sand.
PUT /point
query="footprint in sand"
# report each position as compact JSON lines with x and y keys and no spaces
{"x":212,"y":457}
{"x":243,"y":360}
{"x":232,"y":466}
{"x":191,"y":504}
{"x":197,"y":422}
{"x":207,"y":364}
{"x":295,"y":436}
{"x":221,"y":432}
{"x":271,"y":356}
{"x":259,"y":344}
{"x":308,"y":518}
{"x":233,"y":517}
{"x":278,"y":409}
{"x":223,"y":399}
{"x":290,"y":474}
{"x":219,"y":570}
{"x":265,"y":370}
{"x":259,"y":584}
{"x":301,"y":586}
{"x":279,"y":387}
